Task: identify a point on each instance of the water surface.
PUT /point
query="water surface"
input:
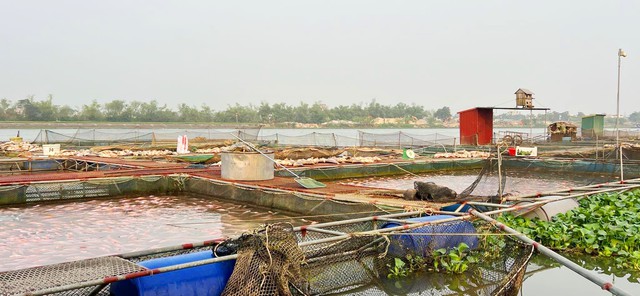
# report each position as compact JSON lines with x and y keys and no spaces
{"x":517,"y":181}
{"x":50,"y":233}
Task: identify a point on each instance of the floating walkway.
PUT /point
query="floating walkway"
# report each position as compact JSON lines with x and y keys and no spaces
{"x":126,"y":168}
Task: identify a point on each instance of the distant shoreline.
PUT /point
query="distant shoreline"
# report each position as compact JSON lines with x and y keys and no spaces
{"x":193,"y":125}
{"x":115,"y":125}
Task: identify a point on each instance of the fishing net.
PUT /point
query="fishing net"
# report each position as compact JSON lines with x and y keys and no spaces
{"x":278,"y":261}
{"x":268,"y":263}
{"x":488,"y":176}
{"x":94,"y":137}
{"x":402,"y":139}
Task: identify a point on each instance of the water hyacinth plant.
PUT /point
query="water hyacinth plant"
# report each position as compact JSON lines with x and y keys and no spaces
{"x":606,"y":225}
{"x":454,"y":260}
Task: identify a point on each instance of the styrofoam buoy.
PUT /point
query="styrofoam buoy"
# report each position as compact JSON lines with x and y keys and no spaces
{"x":183,"y":145}
{"x":408,"y":154}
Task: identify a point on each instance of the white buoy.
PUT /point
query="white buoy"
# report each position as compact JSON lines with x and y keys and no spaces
{"x":183,"y":145}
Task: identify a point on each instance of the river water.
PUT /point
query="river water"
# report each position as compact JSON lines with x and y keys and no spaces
{"x":48,"y":233}
{"x":518,"y":182}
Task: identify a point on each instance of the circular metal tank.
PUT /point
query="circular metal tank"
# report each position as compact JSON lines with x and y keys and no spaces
{"x":247,"y":166}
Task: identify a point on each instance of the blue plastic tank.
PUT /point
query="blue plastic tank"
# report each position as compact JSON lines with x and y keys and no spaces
{"x":423,"y":245}
{"x":207,"y":279}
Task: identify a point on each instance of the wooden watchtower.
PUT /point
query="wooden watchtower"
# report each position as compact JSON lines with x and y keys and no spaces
{"x":524,"y":98}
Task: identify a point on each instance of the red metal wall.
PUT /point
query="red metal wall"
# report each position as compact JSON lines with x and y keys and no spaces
{"x":476,"y":126}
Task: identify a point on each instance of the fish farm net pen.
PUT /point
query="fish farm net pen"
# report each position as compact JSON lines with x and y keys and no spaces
{"x":357,"y":253}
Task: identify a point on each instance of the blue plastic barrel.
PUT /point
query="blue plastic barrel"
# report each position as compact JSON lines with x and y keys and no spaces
{"x":465,"y":208}
{"x":454,"y":207}
{"x":207,"y":279}
{"x":423,"y":244}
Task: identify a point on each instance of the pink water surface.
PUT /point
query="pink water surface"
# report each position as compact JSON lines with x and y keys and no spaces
{"x":32,"y":235}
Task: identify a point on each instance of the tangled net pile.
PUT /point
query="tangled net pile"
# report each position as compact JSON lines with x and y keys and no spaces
{"x":269,"y":263}
{"x":276,"y":260}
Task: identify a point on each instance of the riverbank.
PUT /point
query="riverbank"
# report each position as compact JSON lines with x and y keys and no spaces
{"x":217,"y":125}
{"x":117,"y":125}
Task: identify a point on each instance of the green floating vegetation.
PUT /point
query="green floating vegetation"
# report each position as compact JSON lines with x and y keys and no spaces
{"x":606,"y":225}
{"x":455,"y":260}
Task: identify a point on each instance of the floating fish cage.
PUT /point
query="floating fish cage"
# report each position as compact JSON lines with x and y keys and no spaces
{"x":359,"y":248}
{"x":338,"y":257}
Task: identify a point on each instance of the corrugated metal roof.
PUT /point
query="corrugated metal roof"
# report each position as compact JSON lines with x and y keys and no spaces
{"x":466,"y":110}
{"x":526,"y":91}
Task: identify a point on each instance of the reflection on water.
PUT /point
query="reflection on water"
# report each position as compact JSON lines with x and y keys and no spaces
{"x":517,"y":182}
{"x":544,"y":276}
{"x":51,"y":233}
{"x":547,"y":277}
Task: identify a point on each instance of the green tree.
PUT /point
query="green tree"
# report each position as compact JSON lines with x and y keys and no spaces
{"x":301,"y":113}
{"x":92,"y":112}
{"x":282,"y":112}
{"x":634,"y":117}
{"x":26,"y":110}
{"x":5,"y":110}
{"x":133,"y":111}
{"x":443,"y":114}
{"x":46,"y":110}
{"x":375,"y":109}
{"x":115,"y":110}
{"x":205,"y":114}
{"x":66,"y":113}
{"x":318,"y":113}
{"x":151,"y":111}
{"x":238,"y":114}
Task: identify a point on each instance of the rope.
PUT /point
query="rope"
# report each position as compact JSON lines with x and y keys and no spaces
{"x":447,"y":234}
{"x":287,"y":218}
{"x":408,"y":172}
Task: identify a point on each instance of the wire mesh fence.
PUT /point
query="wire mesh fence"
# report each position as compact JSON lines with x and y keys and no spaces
{"x":96,"y":137}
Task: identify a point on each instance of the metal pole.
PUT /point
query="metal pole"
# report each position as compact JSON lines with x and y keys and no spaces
{"x":544,"y":129}
{"x":530,"y":126}
{"x":620,"y":54}
{"x":500,"y":174}
{"x":555,"y":256}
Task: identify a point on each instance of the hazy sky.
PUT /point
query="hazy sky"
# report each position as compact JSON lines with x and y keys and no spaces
{"x":458,"y":53}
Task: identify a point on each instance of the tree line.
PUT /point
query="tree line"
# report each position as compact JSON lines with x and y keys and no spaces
{"x":30,"y":109}
{"x":538,"y":119}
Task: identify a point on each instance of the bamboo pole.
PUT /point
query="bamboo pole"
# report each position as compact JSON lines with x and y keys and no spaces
{"x":564,"y":191}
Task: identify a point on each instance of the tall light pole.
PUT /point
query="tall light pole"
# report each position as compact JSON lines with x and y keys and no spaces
{"x":621,"y":54}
